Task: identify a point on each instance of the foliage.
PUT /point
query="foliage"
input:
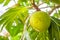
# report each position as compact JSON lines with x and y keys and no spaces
{"x":3,"y":38}
{"x":16,"y":20}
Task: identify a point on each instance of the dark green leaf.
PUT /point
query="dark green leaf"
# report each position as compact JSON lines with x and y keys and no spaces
{"x":54,"y":30}
{"x":34,"y":35}
{"x":57,"y":21}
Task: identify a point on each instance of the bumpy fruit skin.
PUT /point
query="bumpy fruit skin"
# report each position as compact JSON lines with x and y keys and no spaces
{"x":40,"y":21}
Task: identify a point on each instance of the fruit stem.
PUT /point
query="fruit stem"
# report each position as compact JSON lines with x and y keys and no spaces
{"x":34,"y":5}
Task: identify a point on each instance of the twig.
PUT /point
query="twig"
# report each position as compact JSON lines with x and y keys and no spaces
{"x":40,"y":4}
{"x":54,"y":9}
{"x":29,"y":7}
{"x":34,"y":5}
{"x":40,"y":8}
{"x":46,"y":7}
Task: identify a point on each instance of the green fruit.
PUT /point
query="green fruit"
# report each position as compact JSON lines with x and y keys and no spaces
{"x":40,"y":21}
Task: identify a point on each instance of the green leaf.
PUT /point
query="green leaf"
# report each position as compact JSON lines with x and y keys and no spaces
{"x":46,"y":1}
{"x":23,"y":14}
{"x":52,"y":33}
{"x":6,"y":2}
{"x":1,"y":1}
{"x":20,"y":1}
{"x":3,"y":38}
{"x":34,"y":35}
{"x":17,"y":37}
{"x":19,"y":13}
{"x":24,"y":2}
{"x":57,"y":21}
{"x":14,"y":30}
{"x":37,"y":1}
{"x":5,"y":16}
{"x":57,"y":15}
{"x":56,"y":1}
{"x":54,"y":30}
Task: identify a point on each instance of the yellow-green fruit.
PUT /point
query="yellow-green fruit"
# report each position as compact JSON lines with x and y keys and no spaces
{"x":40,"y":21}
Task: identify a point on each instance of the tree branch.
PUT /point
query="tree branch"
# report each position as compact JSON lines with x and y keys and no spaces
{"x":34,"y":5}
{"x":54,"y":9}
